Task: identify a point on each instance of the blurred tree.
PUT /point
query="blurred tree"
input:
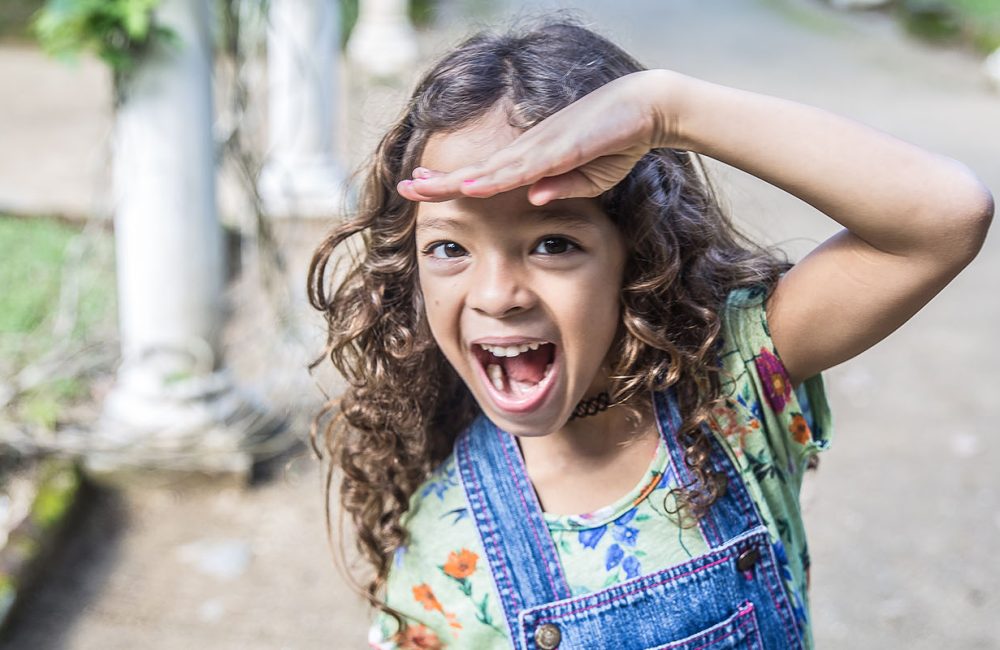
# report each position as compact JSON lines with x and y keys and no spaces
{"x":117,"y":31}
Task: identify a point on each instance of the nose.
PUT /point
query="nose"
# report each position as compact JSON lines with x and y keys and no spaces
{"x":499,"y":287}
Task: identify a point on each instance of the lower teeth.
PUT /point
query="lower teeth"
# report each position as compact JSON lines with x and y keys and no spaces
{"x":520,"y":388}
{"x":495,"y":373}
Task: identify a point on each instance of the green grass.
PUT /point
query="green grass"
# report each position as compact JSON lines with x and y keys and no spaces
{"x":32,"y":251}
{"x":33,"y":255}
{"x":35,"y":260}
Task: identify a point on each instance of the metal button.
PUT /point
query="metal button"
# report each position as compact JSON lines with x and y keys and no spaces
{"x":548,"y":636}
{"x":747,"y":559}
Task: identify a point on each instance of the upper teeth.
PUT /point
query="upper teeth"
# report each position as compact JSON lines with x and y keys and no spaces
{"x":509,"y":350}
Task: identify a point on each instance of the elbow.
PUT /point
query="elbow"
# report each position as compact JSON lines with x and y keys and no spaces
{"x":974,"y":222}
{"x":962,"y":223}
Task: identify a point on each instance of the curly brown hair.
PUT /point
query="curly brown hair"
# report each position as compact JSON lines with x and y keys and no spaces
{"x":404,"y":405}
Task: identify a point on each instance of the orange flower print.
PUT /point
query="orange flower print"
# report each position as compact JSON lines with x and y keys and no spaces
{"x":653,"y":483}
{"x":461,"y":565}
{"x":800,"y":429}
{"x":418,"y":637}
{"x":425,"y":596}
{"x":734,"y":426}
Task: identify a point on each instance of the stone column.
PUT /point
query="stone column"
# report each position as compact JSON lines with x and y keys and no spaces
{"x":383,"y":42}
{"x":991,"y":66}
{"x":173,"y":404}
{"x":302,"y":176}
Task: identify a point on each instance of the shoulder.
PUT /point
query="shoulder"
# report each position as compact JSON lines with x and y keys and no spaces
{"x":438,"y":505}
{"x":439,"y":580}
{"x":744,"y":333}
{"x":760,"y":398}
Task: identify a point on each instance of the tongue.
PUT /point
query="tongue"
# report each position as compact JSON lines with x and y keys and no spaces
{"x":528,"y":366}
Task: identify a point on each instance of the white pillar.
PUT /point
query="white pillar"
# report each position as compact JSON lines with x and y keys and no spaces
{"x":173,"y":404}
{"x":301,"y":176}
{"x":991,"y":66}
{"x":383,"y":41}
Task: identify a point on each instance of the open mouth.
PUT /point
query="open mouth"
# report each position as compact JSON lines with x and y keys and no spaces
{"x":517,"y":376}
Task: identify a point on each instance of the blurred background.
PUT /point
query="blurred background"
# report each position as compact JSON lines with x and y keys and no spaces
{"x":167,"y":168}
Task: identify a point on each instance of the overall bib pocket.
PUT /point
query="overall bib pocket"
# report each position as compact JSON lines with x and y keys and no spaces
{"x":738,"y":631}
{"x":706,"y":603}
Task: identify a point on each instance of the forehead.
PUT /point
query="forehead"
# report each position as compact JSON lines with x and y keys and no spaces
{"x":470,"y":144}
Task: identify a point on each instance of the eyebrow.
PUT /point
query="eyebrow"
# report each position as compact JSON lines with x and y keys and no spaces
{"x":557,"y":217}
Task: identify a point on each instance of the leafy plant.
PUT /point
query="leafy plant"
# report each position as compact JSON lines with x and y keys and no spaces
{"x":976,"y":22}
{"x":117,"y":31}
{"x":421,"y":13}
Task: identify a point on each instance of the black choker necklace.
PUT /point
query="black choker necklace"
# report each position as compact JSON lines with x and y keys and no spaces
{"x":592,"y":406}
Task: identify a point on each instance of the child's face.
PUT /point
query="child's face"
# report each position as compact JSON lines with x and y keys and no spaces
{"x":511,"y":276}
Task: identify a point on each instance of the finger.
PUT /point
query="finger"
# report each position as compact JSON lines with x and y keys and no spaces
{"x":546,"y":159}
{"x":507,"y":169}
{"x":572,"y":184}
{"x":443,"y":187}
{"x":423,"y":172}
{"x":407,"y":190}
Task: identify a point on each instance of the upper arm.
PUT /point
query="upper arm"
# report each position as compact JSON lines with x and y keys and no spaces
{"x":847,"y":295}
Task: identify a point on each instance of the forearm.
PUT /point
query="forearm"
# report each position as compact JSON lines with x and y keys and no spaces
{"x":895,"y":196}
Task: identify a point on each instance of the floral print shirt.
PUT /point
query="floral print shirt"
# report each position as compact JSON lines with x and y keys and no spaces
{"x":441,"y":581}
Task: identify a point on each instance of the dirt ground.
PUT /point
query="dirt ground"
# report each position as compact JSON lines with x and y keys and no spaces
{"x":902,"y":514}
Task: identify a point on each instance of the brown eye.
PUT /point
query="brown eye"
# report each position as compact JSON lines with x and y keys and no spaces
{"x":445,"y":250}
{"x":554,"y":246}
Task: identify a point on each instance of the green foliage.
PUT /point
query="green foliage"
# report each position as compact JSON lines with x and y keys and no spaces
{"x":44,"y":405}
{"x":117,"y":31}
{"x":933,"y":20}
{"x":56,"y":493}
{"x":41,"y":408}
{"x":15,"y":16}
{"x":421,"y":13}
{"x":976,"y":22}
{"x":980,"y":22}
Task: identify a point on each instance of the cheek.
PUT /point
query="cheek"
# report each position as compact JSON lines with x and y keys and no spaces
{"x":593,"y":313}
{"x":440,"y":309}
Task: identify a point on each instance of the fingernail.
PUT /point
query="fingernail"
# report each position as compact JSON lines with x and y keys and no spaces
{"x":421,"y":172}
{"x":469,"y":181}
{"x":407,"y":182}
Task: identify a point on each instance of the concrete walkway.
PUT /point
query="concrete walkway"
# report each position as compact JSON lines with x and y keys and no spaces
{"x":902,"y":515}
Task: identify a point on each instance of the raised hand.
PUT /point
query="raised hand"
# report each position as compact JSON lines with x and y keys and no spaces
{"x":581,"y":151}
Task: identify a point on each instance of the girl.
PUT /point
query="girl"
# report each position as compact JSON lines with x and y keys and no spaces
{"x":568,"y":423}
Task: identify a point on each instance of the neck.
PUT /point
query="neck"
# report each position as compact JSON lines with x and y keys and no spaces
{"x":590,"y":441}
{"x":591,"y":461}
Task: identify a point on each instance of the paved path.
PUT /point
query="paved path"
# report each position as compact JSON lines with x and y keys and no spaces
{"x":902,"y":515}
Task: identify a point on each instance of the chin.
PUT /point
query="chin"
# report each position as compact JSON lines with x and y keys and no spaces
{"x":535,"y":427}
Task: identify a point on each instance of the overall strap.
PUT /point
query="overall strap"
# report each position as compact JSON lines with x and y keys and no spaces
{"x":516,"y":541}
{"x":734,"y":512}
{"x":522,"y":557}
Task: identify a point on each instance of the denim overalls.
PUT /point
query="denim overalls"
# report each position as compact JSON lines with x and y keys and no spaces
{"x":730,"y":597}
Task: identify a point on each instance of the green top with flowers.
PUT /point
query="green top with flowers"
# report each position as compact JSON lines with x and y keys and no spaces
{"x":772,"y":432}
